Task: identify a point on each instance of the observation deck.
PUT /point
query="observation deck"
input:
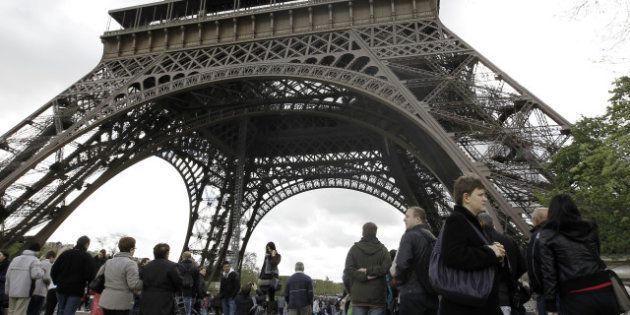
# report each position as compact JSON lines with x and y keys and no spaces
{"x":182,"y":24}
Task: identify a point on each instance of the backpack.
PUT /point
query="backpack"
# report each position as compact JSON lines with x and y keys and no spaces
{"x":187,"y":277}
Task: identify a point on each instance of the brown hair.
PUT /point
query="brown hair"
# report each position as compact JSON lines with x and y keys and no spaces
{"x":161,"y":250}
{"x":465,"y":184}
{"x":126,"y":243}
{"x":369,"y":229}
{"x":418,"y":213}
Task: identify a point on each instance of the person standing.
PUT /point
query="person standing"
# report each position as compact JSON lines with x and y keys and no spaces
{"x":510,"y":269}
{"x":100,"y":259}
{"x":22,"y":271}
{"x":244,"y":302}
{"x":121,"y":279}
{"x":4,"y":265}
{"x":190,"y":280}
{"x":298,"y":292}
{"x":160,"y":282}
{"x":412,"y":266}
{"x":367,"y":264}
{"x":71,"y":273}
{"x":464,"y":249}
{"x":539,"y":216}
{"x":41,"y":285}
{"x":229,"y":288}
{"x":269,"y":274}
{"x":574,"y":278}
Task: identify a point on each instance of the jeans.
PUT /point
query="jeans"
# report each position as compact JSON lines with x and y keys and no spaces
{"x":188,"y":304}
{"x":229,"y":307}
{"x":365,"y":310}
{"x":67,"y":304}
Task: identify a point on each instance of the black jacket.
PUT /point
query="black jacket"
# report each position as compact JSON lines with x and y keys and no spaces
{"x":4,"y":299}
{"x":568,"y":252}
{"x":299,"y":291}
{"x":244,"y":304}
{"x":510,"y":270}
{"x":412,"y":264}
{"x":371,"y":254}
{"x":160,"y":283}
{"x":189,"y":267}
{"x":229,"y":285}
{"x":533,"y":261}
{"x":463,"y":248}
{"x":72,"y":271}
{"x":269,"y":268}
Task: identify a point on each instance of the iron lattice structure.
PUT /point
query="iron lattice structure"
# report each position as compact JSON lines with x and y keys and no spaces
{"x":254,"y":102}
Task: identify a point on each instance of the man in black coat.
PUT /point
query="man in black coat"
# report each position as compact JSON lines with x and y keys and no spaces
{"x":160,"y":282}
{"x":511,"y":268}
{"x":539,"y":216}
{"x":299,"y":292}
{"x":463,"y":248}
{"x":412,"y":266}
{"x":72,"y":272}
{"x":229,"y":289}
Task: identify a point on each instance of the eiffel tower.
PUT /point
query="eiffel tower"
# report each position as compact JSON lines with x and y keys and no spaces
{"x":255,"y":101}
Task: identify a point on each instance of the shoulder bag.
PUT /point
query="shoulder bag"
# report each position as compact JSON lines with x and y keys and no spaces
{"x":98,"y":284}
{"x":623,"y":300}
{"x":468,"y":287}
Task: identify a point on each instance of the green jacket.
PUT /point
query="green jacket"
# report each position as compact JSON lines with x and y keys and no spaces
{"x":371,"y":254}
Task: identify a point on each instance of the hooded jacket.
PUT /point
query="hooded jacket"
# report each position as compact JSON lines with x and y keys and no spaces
{"x":371,"y":254}
{"x":567,"y":252}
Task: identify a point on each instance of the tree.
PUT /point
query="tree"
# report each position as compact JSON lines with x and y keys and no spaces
{"x":610,"y":20}
{"x":249,"y":271}
{"x":595,"y":169}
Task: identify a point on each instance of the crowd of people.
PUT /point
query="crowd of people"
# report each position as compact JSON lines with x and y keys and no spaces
{"x":469,"y":268}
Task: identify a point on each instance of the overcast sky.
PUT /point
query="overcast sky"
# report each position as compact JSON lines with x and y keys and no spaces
{"x":48,"y":45}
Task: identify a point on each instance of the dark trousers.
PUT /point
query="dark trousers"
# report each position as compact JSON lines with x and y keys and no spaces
{"x":51,"y":302}
{"x":412,"y":304}
{"x":599,"y":302}
{"x":35,"y":305}
{"x":116,"y":312}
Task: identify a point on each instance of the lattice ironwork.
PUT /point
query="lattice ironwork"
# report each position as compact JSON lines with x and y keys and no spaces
{"x":387,"y":102}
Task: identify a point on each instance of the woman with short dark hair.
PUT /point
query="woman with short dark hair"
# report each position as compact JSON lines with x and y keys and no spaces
{"x":121,"y":279}
{"x":575,"y":280}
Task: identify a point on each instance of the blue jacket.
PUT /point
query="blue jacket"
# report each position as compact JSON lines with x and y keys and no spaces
{"x":299,"y":291}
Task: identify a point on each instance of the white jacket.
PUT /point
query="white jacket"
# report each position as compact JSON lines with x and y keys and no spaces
{"x":21,"y":273}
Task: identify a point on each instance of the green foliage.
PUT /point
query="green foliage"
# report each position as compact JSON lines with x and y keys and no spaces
{"x":595,"y":169}
{"x":249,"y":271}
{"x":327,"y":287}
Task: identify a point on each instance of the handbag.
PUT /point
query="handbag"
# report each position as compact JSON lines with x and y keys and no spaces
{"x":623,"y":299}
{"x":468,"y":287}
{"x":98,"y":284}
